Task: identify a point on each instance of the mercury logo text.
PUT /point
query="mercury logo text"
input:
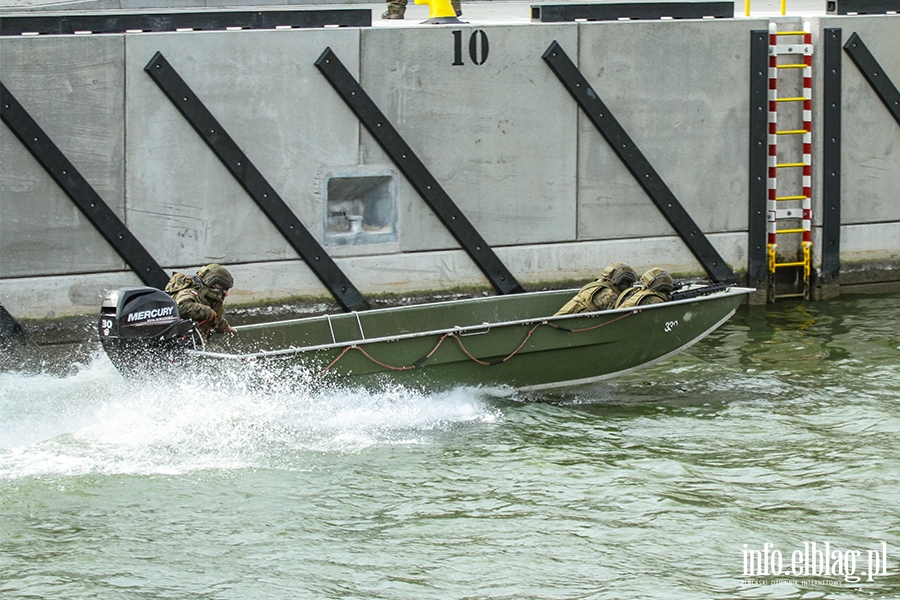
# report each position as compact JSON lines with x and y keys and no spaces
{"x":156,"y":313}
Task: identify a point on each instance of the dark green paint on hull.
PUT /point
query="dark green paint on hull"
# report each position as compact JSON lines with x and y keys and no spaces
{"x":499,"y":341}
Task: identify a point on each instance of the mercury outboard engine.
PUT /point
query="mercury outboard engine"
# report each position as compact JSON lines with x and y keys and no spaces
{"x":140,"y":330}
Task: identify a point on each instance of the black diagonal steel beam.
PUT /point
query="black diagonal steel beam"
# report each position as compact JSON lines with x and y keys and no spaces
{"x":637,"y":163}
{"x":239,"y":165}
{"x":831,"y":157}
{"x":874,"y":74}
{"x":10,"y":330}
{"x":757,"y":267}
{"x":415,"y":171}
{"x":77,"y":188}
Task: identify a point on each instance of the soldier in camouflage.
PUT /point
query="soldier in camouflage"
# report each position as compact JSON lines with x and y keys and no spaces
{"x":656,"y":286}
{"x":396,"y":9}
{"x":601,"y":294}
{"x":201,"y":297}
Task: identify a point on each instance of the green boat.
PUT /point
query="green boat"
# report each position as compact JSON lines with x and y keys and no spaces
{"x":498,"y":341}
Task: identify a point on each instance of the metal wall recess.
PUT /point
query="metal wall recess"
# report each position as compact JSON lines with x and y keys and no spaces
{"x":415,"y":171}
{"x":265,"y":196}
{"x":874,"y":74}
{"x":637,"y":164}
{"x":360,"y":208}
{"x":201,"y":21}
{"x":556,"y":13}
{"x":80,"y":191}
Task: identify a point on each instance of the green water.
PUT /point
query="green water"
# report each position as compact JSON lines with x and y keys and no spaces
{"x":782,"y":428}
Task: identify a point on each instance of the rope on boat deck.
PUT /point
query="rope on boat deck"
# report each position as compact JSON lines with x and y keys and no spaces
{"x":463,"y":348}
{"x":502,"y":360}
{"x":381,"y":364}
{"x":619,"y":318}
{"x":408,"y":367}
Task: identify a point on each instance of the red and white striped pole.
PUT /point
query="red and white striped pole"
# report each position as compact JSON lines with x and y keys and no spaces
{"x":772,"y":160}
{"x":807,"y":136}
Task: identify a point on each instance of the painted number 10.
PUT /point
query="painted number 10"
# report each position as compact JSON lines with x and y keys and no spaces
{"x":478,"y":47}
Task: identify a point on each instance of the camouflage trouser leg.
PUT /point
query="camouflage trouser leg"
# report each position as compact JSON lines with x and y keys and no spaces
{"x":396,"y":7}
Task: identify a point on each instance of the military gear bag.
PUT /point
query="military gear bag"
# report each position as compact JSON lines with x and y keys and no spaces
{"x":180,"y":281}
{"x":640,"y":297}
{"x":583,"y":301}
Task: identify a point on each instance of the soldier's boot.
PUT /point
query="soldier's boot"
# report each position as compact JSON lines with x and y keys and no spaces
{"x":395,"y":10}
{"x":456,"y":6}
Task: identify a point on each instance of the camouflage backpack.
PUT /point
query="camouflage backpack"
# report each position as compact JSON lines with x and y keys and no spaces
{"x":180,"y":281}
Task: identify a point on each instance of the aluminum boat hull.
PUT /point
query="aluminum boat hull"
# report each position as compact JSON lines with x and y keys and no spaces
{"x":498,"y":341}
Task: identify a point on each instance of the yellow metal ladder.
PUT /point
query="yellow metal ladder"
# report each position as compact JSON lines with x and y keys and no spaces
{"x":780,"y":208}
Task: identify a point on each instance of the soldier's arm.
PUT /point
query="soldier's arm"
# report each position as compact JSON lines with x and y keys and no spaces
{"x":190,"y":307}
{"x":221,"y":325}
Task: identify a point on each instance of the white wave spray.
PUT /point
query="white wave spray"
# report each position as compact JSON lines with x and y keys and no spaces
{"x":94,"y":421}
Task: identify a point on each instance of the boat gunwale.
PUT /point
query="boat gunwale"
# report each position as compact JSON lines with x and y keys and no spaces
{"x":457,"y":330}
{"x":392,"y":309}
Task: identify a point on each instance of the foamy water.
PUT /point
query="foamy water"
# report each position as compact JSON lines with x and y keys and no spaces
{"x":96,"y":421}
{"x":775,"y":436}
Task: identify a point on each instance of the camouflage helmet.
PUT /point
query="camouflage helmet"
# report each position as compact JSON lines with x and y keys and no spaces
{"x":216,"y":275}
{"x":607,"y":272}
{"x":622,"y":275}
{"x":658,"y":280}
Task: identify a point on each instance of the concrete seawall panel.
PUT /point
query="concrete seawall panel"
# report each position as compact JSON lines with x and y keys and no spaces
{"x":75,"y":86}
{"x":687,"y":112}
{"x":870,"y":148}
{"x":870,"y":191}
{"x":265,"y":91}
{"x":499,"y":136}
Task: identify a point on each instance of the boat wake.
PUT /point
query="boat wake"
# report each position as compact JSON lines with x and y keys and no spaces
{"x":96,"y":421}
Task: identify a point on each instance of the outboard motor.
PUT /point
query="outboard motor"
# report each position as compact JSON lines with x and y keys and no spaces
{"x":140,"y":330}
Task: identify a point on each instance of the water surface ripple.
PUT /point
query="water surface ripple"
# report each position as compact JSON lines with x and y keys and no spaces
{"x":778,"y":434}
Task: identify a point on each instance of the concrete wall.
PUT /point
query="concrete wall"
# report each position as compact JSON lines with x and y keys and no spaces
{"x":687,"y":110}
{"x":870,"y":175}
{"x":266,"y":93}
{"x":74,"y":87}
{"x":503,"y":138}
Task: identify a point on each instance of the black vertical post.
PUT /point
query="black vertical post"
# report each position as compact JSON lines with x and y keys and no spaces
{"x":831,"y":157}
{"x":757,"y":262}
